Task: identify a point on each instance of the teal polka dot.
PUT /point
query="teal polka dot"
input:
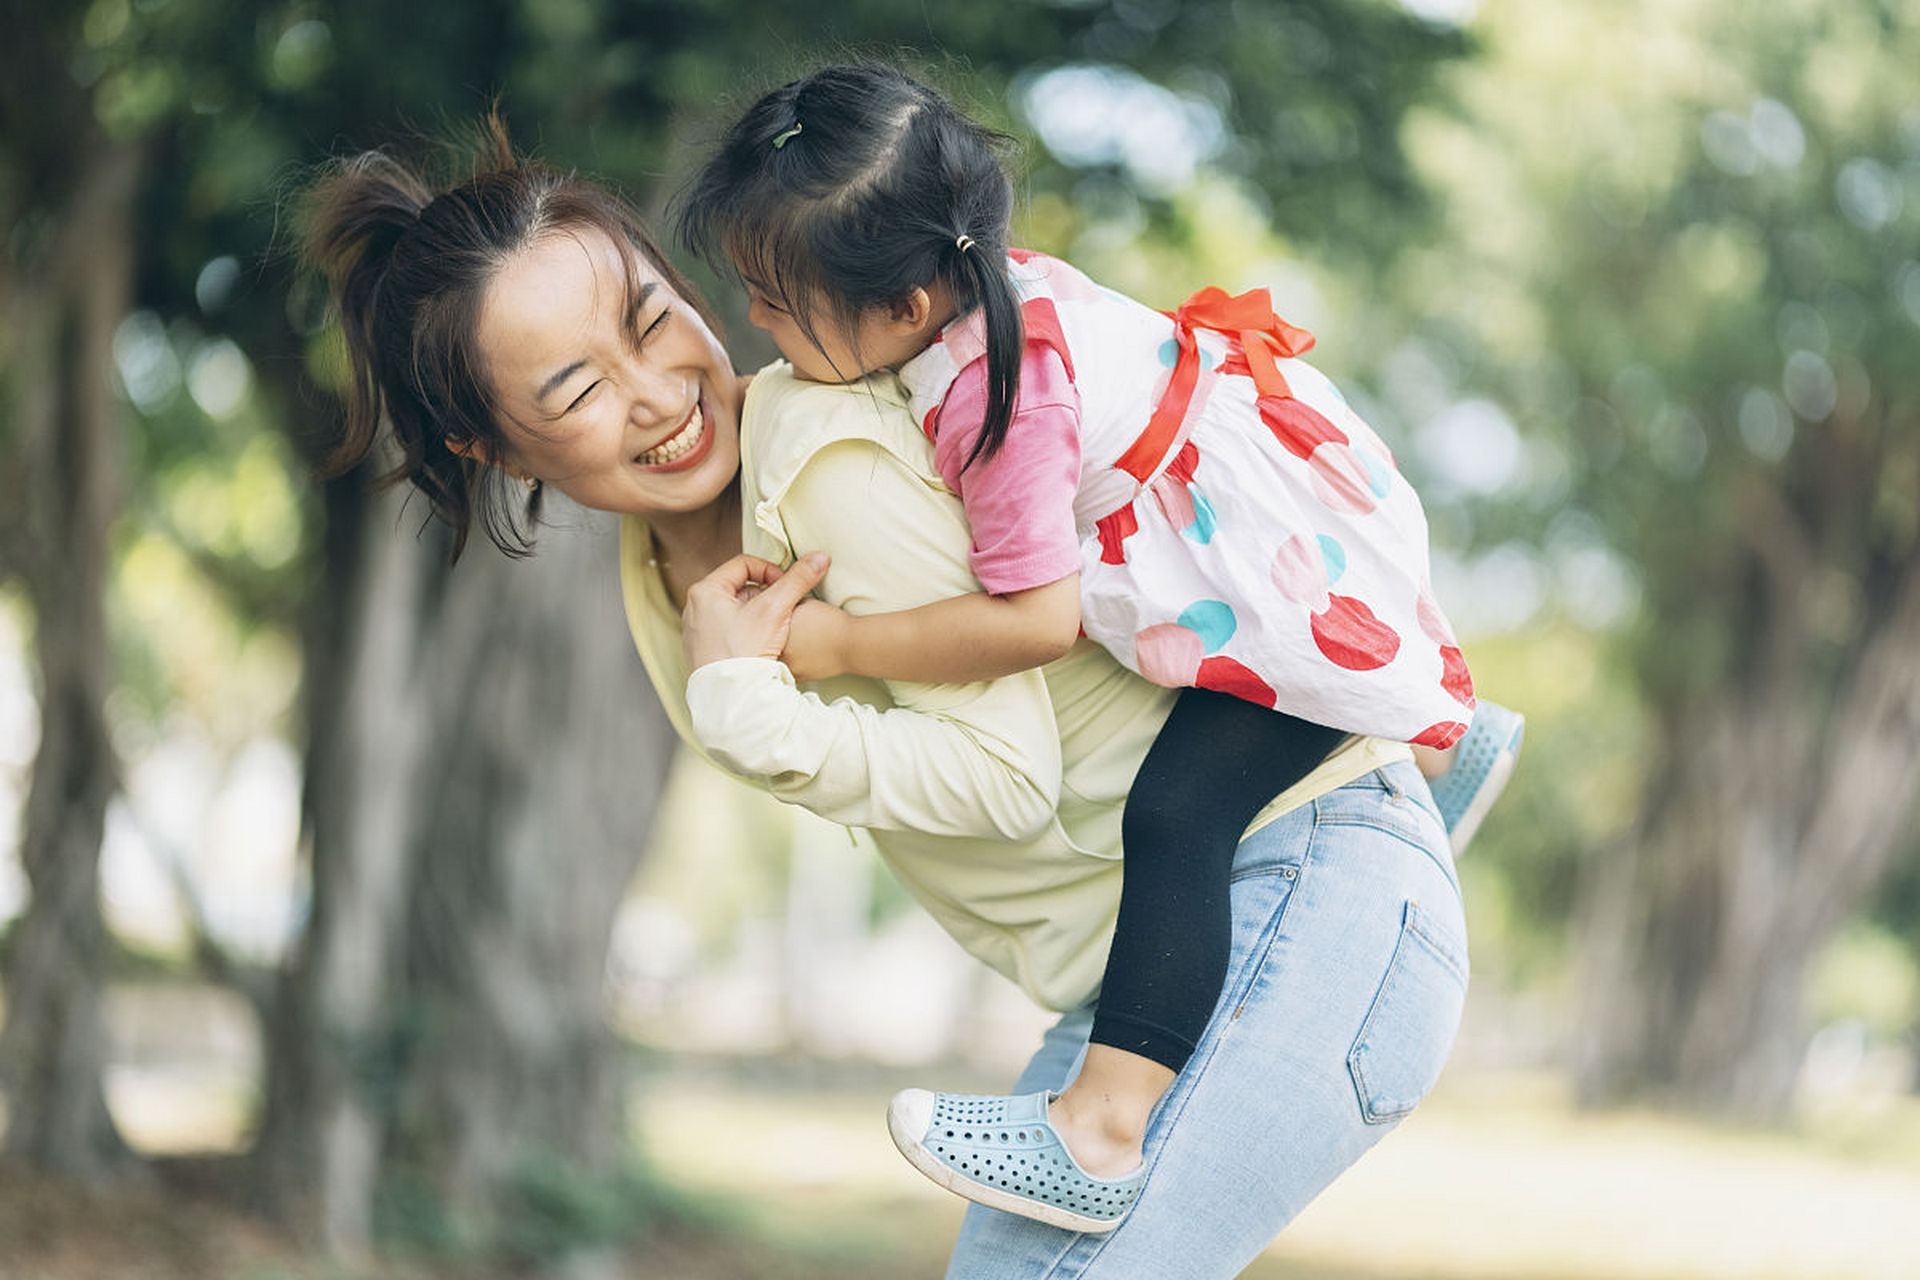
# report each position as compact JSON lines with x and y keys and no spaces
{"x":1212,"y":621}
{"x":1205,"y":522}
{"x":1335,"y":557}
{"x":1170,"y":352}
{"x":1379,"y":477}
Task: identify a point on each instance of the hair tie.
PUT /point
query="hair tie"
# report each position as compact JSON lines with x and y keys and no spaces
{"x":963,"y":242}
{"x":780,"y":139}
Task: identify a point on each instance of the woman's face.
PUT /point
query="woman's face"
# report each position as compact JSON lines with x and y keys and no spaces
{"x":643,"y":430}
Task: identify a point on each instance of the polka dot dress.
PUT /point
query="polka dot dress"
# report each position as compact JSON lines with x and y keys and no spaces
{"x":1243,"y":530}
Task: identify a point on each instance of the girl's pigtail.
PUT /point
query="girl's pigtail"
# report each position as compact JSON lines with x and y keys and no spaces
{"x":351,"y":220}
{"x":985,"y":267}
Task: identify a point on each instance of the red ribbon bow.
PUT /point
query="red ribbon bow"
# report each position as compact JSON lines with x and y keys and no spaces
{"x":1262,"y":335}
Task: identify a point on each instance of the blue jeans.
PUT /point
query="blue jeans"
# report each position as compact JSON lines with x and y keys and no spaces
{"x":1348,"y":972}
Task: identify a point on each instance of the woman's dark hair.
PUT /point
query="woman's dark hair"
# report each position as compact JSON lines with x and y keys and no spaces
{"x":852,"y":188}
{"x":409,"y":262}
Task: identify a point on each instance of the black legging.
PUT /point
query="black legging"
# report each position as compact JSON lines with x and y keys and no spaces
{"x":1216,"y":763}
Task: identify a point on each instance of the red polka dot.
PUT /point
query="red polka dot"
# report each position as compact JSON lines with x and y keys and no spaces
{"x":1351,"y":637}
{"x":1439,"y":736}
{"x":1454,"y":677}
{"x":1224,"y":675}
{"x":1297,"y":427}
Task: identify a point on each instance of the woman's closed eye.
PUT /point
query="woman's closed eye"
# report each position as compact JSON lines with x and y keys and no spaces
{"x":646,"y":333}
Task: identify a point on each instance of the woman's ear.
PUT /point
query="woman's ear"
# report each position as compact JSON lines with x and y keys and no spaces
{"x":476,"y":450}
{"x":468,"y":447}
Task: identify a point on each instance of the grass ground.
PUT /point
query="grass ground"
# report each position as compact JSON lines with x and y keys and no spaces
{"x":1500,"y":1182}
{"x":1506,"y":1182}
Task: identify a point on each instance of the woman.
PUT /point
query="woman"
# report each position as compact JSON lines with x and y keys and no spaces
{"x":522,"y":326}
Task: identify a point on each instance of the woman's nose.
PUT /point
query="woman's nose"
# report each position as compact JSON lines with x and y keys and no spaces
{"x":656,"y":395}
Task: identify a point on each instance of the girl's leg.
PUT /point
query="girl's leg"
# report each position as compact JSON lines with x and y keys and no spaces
{"x":1347,"y":975}
{"x":1214,"y":765}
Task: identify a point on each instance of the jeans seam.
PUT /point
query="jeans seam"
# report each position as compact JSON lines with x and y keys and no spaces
{"x":1257,"y":964}
{"x":1400,"y":793}
{"x":1410,"y":839}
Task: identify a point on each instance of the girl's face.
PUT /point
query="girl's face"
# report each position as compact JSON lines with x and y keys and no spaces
{"x":884,"y":338}
{"x":639,"y":430}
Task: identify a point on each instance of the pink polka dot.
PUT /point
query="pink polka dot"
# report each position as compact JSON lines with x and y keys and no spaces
{"x":1224,"y":675}
{"x":1300,"y":572}
{"x":1432,"y":621}
{"x":1352,"y":637}
{"x":1168,"y":654}
{"x":1340,"y":479}
{"x":1176,"y":501}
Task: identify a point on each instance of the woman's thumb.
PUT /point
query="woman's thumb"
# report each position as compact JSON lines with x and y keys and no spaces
{"x":800,"y":578}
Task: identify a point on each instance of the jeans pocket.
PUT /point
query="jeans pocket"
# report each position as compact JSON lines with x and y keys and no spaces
{"x":1408,"y":1032}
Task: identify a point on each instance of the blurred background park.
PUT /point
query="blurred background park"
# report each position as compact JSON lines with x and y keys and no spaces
{"x":356,"y":918}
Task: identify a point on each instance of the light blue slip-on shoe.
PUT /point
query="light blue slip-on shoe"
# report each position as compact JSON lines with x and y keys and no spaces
{"x":1003,"y":1153}
{"x":1483,"y":760}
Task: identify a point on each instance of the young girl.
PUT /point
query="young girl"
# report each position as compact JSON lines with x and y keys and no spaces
{"x":1181,"y":488}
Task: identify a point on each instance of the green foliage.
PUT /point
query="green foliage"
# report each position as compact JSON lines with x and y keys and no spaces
{"x":1688,"y":272}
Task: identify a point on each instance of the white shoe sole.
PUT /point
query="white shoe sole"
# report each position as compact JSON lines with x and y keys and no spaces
{"x":1489,"y":792}
{"x":908,"y":1116}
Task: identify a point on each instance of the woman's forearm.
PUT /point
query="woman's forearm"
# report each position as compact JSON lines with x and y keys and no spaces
{"x":980,"y":766}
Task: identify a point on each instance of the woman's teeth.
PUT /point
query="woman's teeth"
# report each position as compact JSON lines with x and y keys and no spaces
{"x":683,"y":441}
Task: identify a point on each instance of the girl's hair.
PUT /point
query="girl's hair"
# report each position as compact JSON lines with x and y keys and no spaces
{"x":409,"y":262}
{"x":852,"y":188}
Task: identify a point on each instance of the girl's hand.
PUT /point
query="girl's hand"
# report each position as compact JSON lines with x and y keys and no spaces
{"x":744,"y":608}
{"x":817,"y":642}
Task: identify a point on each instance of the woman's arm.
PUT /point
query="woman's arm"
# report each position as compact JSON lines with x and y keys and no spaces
{"x":971,"y":637}
{"x":963,"y":759}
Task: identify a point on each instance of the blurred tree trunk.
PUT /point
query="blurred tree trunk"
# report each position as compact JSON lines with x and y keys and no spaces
{"x":484,"y":759}
{"x":68,"y":304}
{"x":1775,"y":809}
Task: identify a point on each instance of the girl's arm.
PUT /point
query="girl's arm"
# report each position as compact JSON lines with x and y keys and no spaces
{"x":962,"y":759}
{"x":971,"y":637}
{"x":1025,"y":550}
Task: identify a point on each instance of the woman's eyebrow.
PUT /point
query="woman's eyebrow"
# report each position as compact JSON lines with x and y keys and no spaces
{"x":552,"y":384}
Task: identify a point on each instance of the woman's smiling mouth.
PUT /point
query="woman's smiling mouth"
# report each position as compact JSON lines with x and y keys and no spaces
{"x":689,"y":438}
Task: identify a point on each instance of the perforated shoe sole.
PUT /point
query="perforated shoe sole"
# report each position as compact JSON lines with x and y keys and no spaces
{"x":1483,"y":762}
{"x":1000,"y":1153}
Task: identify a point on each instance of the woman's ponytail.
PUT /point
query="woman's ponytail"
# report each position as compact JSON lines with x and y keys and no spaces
{"x":351,"y":219}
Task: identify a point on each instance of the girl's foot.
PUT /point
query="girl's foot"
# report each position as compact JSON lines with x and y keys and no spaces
{"x":1477,"y":770}
{"x":1006,"y":1154}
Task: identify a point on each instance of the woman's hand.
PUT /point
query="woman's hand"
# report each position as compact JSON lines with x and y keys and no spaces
{"x":744,"y":608}
{"x":817,"y":642}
